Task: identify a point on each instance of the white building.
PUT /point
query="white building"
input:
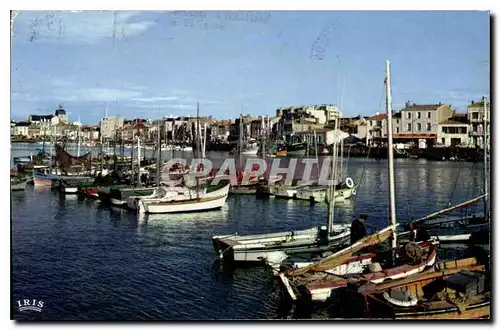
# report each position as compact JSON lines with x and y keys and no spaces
{"x":475,"y":115}
{"x":377,"y":127}
{"x":452,"y":133}
{"x":109,"y":126}
{"x":20,"y":129}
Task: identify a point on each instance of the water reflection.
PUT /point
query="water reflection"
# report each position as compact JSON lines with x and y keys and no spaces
{"x":167,"y":221}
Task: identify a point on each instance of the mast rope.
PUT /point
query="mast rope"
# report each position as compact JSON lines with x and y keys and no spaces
{"x":454,"y":187}
{"x":362,"y":176}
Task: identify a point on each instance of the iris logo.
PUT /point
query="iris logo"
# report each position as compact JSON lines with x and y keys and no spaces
{"x":30,"y":305}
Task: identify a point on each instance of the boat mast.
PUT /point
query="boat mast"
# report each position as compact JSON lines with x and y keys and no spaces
{"x":78,"y":132}
{"x":198,"y":146}
{"x":240,"y":142}
{"x":390,"y":152}
{"x":485,"y":152}
{"x":51,"y":146}
{"x":204,"y":140}
{"x":138,"y":123}
{"x":158,"y":145}
{"x":331,"y":188}
{"x":263,"y":140}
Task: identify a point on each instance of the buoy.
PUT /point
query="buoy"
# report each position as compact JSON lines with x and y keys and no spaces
{"x":349,"y":182}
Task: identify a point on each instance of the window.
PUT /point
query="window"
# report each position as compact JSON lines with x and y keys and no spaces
{"x":379,"y":122}
{"x":397,"y":121}
{"x":429,"y":114}
{"x":397,"y":130}
{"x":444,"y":129}
{"x":409,"y":115}
{"x":408,"y":128}
{"x":443,"y":140}
{"x":419,"y":127}
{"x":418,"y":115}
{"x":428,"y":127}
{"x":475,"y":115}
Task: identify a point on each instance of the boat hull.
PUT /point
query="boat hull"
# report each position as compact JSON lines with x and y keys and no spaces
{"x":319,"y":195}
{"x":257,"y":248}
{"x":183,"y":206}
{"x":18,"y":186}
{"x":321,"y":291}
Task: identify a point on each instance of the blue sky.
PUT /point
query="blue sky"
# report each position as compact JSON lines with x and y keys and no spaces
{"x":151,"y":63}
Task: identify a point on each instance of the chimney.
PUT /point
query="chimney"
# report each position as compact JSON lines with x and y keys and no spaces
{"x":472,"y":102}
{"x":407,"y":104}
{"x":439,"y":103}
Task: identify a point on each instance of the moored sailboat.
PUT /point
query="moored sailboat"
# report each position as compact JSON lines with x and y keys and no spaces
{"x":209,"y":201}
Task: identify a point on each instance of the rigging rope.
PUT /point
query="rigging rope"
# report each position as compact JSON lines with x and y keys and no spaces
{"x":454,"y":187}
{"x":362,"y":176}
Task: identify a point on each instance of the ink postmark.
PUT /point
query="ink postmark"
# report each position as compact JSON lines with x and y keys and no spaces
{"x":215,"y":20}
{"x":321,"y":43}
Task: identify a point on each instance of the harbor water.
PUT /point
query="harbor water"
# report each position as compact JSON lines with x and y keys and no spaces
{"x":89,"y":261}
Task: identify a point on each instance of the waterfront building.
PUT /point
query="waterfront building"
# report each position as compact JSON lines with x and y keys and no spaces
{"x":59,"y":116}
{"x":324,"y":136}
{"x":221,"y":129}
{"x":20,"y":129}
{"x":475,"y":115}
{"x":324,"y":113}
{"x":376,"y":128}
{"x":420,"y":122}
{"x":452,"y":133}
{"x":109,"y":126}
{"x":234,"y":130}
{"x":43,"y":119}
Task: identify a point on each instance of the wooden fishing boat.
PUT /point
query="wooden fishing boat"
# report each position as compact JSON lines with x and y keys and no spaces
{"x":318,"y":285}
{"x":255,"y":248}
{"x":53,"y":180}
{"x":246,"y":150}
{"x":17,"y":184}
{"x":344,"y":261}
{"x":455,"y":289}
{"x":164,"y":194}
{"x":211,"y":201}
{"x":319,"y":193}
{"x":23,"y":160}
{"x":296,"y":149}
{"x":452,"y":228}
{"x":118,"y":196}
{"x":241,"y":189}
{"x":244,"y":188}
{"x":285,"y":191}
{"x":264,"y":186}
{"x":102,"y":192}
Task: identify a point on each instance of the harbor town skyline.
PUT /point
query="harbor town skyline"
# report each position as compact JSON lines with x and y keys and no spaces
{"x":282,"y":61}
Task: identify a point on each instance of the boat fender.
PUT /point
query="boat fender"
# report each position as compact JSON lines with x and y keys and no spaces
{"x":402,"y":303}
{"x":349,"y":182}
{"x":353,"y":192}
